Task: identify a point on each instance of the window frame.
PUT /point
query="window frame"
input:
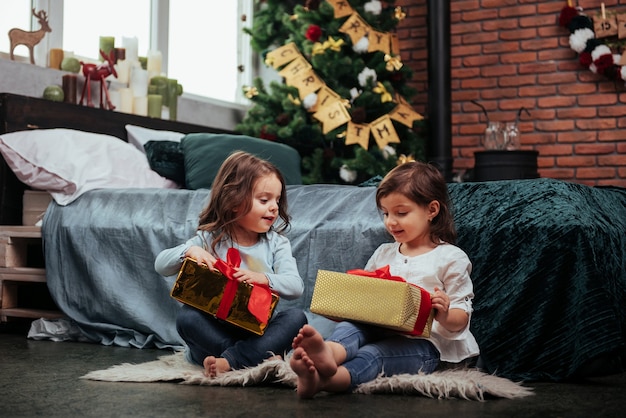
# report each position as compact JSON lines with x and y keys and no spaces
{"x":159,"y":39}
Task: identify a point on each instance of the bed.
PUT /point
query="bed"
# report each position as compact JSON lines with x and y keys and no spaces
{"x":549,"y":260}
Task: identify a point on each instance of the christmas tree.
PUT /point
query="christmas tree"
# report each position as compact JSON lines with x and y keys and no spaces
{"x":344,"y":101}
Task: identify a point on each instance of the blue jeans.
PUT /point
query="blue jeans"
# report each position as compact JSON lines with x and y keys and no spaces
{"x":371,"y":351}
{"x":206,"y":335}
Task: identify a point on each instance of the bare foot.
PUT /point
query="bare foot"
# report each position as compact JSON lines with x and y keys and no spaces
{"x":215,"y":365}
{"x":316,"y":350}
{"x":308,"y":377}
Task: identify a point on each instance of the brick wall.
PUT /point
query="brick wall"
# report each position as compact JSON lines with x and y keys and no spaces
{"x":508,"y":54}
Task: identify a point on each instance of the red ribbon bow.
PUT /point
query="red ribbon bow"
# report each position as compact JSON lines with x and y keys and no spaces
{"x":260,"y":297}
{"x":425,"y":302}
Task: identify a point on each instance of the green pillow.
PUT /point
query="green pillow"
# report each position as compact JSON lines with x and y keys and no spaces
{"x":166,"y":158}
{"x":204,"y":153}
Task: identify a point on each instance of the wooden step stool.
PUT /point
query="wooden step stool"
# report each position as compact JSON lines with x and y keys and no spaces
{"x":22,"y":270}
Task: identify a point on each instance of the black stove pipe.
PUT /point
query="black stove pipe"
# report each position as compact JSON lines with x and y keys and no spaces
{"x":439,"y":95}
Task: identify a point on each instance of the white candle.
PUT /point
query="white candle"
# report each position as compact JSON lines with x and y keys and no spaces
{"x":123,"y":71}
{"x":126,"y":100}
{"x":130,"y":44}
{"x":140,"y":106}
{"x":155,"y":59}
{"x":116,"y":99}
{"x":139,"y":81}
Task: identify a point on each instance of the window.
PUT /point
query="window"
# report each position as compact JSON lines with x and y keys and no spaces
{"x":201,"y":41}
{"x":14,"y":14}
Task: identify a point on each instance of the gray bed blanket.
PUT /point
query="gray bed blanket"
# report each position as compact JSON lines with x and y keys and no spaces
{"x":549,"y":264}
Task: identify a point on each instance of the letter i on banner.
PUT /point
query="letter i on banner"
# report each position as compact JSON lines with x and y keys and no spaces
{"x":324,"y":98}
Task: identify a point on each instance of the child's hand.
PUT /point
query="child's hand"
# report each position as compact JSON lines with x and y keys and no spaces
{"x":441,"y":302}
{"x":201,"y":256}
{"x":251,"y":277}
{"x":453,"y":320}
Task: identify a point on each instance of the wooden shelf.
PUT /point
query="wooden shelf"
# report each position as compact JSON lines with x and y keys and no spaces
{"x":22,"y":275}
{"x":28,"y":313}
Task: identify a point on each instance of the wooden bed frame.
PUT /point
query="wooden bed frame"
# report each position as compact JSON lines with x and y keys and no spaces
{"x":19,"y":113}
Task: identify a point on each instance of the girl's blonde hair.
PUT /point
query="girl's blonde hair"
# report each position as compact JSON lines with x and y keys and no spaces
{"x":231,"y":195}
{"x":422,"y":183}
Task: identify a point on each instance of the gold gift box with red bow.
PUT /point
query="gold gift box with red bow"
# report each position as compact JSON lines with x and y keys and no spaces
{"x":388,"y":302}
{"x":204,"y":289}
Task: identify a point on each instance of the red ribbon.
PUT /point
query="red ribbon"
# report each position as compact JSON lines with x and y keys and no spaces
{"x":425,"y":302}
{"x":260,"y":297}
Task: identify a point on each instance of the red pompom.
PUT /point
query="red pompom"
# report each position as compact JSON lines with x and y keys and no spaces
{"x":567,"y":14}
{"x":266,"y":135}
{"x":603,"y":62}
{"x":585,"y":59}
{"x":313,"y":33}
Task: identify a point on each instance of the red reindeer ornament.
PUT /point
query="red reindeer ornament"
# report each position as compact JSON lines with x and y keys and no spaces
{"x":98,"y":72}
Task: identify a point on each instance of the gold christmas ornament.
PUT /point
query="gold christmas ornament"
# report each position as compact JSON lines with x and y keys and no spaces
{"x":402,"y":159}
{"x":385,"y":96}
{"x":399,"y":14}
{"x":318,"y":49}
{"x":294,"y":100}
{"x":330,"y":43}
{"x":393,"y":63}
{"x":334,"y":45}
{"x":250,"y":92}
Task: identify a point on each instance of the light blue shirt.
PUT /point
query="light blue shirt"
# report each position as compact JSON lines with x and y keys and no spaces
{"x":270,"y":255}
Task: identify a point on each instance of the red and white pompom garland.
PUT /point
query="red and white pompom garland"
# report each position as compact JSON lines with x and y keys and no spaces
{"x":592,"y":53}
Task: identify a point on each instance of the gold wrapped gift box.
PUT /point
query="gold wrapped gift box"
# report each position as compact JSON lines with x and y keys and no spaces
{"x":386,"y":303}
{"x":202,"y":288}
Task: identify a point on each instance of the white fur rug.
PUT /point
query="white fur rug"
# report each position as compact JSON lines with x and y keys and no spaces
{"x":468,"y":383}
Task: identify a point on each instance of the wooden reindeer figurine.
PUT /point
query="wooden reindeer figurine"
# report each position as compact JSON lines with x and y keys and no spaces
{"x":30,"y":39}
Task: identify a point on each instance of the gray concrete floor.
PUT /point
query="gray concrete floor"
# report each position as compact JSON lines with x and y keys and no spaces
{"x":41,"y":378}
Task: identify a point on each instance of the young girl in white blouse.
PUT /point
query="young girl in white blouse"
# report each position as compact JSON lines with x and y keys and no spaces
{"x":413,"y":198}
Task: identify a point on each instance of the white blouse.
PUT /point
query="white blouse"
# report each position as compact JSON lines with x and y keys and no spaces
{"x":448,"y":268}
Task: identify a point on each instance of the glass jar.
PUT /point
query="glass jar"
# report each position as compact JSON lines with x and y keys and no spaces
{"x":511,"y":134}
{"x":493,"y":138}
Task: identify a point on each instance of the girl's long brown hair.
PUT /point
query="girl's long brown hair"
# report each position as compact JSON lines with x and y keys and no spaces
{"x":231,"y":195}
{"x":422,"y":183}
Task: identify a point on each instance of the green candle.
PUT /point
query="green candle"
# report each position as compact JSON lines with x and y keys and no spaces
{"x":160,"y":84}
{"x":107,"y":43}
{"x":173,"y":97}
{"x":155,"y":102}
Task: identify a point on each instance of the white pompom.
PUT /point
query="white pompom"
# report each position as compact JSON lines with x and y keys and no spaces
{"x":346,"y":174}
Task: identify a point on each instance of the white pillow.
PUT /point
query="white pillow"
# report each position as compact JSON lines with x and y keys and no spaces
{"x":138,"y":136}
{"x":67,"y":163}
